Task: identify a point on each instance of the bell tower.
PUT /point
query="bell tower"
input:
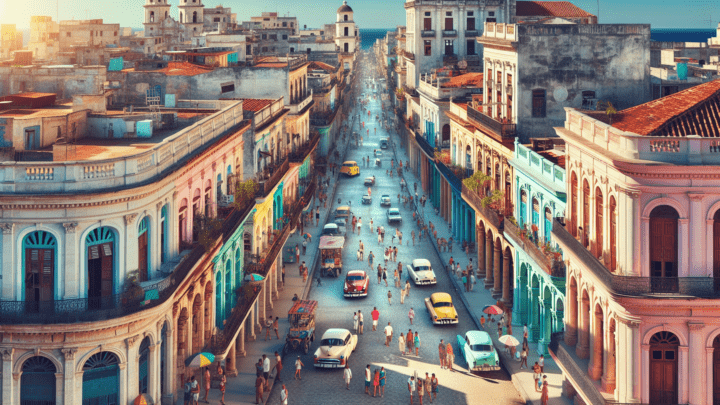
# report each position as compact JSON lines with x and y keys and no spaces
{"x":192,"y":15}
{"x":155,"y":12}
{"x":345,"y":35}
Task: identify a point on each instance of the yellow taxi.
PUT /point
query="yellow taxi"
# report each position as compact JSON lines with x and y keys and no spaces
{"x":350,"y":168}
{"x":441,"y":309}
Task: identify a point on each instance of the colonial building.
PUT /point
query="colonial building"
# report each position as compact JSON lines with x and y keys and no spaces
{"x":639,"y":239}
{"x":44,"y":38}
{"x":271,"y":20}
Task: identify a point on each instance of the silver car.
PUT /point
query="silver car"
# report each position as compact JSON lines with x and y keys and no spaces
{"x":393,"y":215}
{"x":385,"y":200}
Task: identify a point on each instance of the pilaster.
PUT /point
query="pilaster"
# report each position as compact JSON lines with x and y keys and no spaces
{"x":8,"y":273}
{"x":71,"y":267}
{"x":8,"y":382}
{"x":69,"y":381}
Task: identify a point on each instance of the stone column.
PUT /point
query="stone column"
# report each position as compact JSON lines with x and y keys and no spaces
{"x":59,"y":387}
{"x":230,"y":362}
{"x":252,"y":324}
{"x":696,"y":374}
{"x":697,"y":235}
{"x":571,"y":320}
{"x":636,"y":357}
{"x":583,"y":347}
{"x":153,"y":371}
{"x":683,"y":388}
{"x":8,"y":284}
{"x":262,"y":302}
{"x":709,"y":353}
{"x":7,"y":374}
{"x":131,"y":244}
{"x":609,"y":372}
{"x":132,"y":388}
{"x":507,"y":282}
{"x":170,"y":367}
{"x":481,"y":254}
{"x":684,"y":243}
{"x":489,"y":272}
{"x":123,"y":383}
{"x":72,"y":276}
{"x":497,"y":288}
{"x":240,"y":342}
{"x":595,"y":367}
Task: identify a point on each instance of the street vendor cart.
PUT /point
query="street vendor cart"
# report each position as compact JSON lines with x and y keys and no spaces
{"x":302,"y":326}
{"x":331,"y":255}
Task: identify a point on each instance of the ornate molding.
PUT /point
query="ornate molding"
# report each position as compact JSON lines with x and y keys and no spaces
{"x":176,"y":308}
{"x":130,"y":342}
{"x":7,"y":228}
{"x":696,"y":196}
{"x":69,"y":353}
{"x":130,"y":218}
{"x":70,"y":227}
{"x":695,"y":326}
{"x":7,"y":353}
{"x":158,"y":206}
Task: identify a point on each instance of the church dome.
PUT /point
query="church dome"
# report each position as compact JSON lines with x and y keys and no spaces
{"x":345,"y":8}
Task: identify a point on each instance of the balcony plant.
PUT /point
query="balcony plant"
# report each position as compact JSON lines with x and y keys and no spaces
{"x":494,"y":200}
{"x":133,"y":293}
{"x":477,"y":181}
{"x":208,"y":230}
{"x":244,"y":192}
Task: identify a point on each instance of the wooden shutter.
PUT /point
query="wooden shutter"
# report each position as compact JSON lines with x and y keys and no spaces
{"x":428,"y":24}
{"x":448,"y":24}
{"x":39,"y":274}
{"x":613,"y":237}
{"x":106,"y":273}
{"x":574,"y":203}
{"x":471,"y":24}
{"x":143,"y":257}
{"x":48,"y":274}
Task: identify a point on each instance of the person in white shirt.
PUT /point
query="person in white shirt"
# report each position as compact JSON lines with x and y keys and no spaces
{"x":284,"y":395}
{"x":411,"y":387}
{"x":355,"y":321}
{"x":360,"y":321}
{"x":388,"y":334}
{"x":368,"y":379}
{"x":298,"y":368}
{"x":266,"y":369}
{"x":347,"y":376}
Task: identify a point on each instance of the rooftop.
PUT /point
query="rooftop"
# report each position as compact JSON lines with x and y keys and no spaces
{"x":179,"y":69}
{"x":549,"y":9}
{"x":467,"y":80}
{"x":321,"y":66}
{"x":255,"y":104}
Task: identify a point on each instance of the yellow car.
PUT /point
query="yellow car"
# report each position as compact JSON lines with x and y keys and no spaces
{"x":350,"y":168}
{"x":441,"y":309}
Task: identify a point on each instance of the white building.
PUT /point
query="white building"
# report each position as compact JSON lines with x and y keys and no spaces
{"x":346,"y":35}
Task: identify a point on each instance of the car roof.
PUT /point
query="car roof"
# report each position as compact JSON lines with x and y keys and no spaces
{"x":386,"y":195}
{"x":331,"y":242}
{"x":394,"y":210}
{"x":343,"y":208}
{"x":330,"y":226}
{"x":335,"y":333}
{"x":350,"y":162}
{"x":476,"y":337}
{"x":441,"y":297}
{"x":421,"y":262}
{"x":356,"y":272}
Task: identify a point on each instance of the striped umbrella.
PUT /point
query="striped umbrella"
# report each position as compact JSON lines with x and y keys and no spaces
{"x":509,"y":340}
{"x":493,"y":310}
{"x":143,"y":399}
{"x":202,"y":359}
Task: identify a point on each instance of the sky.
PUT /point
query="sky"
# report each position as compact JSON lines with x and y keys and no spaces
{"x":368,"y":13}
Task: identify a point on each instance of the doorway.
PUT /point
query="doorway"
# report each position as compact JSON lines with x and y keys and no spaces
{"x":143,"y":249}
{"x":100,"y":244}
{"x":664,"y":368}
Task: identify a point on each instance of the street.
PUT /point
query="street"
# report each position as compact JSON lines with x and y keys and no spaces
{"x":326,"y":386}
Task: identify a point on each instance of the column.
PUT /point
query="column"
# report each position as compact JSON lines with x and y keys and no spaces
{"x":8,"y":284}
{"x":489,"y":260}
{"x":132,"y":388}
{"x":683,"y":360}
{"x":684,"y":243}
{"x":7,"y":374}
{"x":709,"y":352}
{"x":263,"y":303}
{"x":72,"y":277}
{"x":154,"y":371}
{"x":506,"y":278}
{"x":583,"y":347}
{"x":252,"y":324}
{"x":497,"y":292}
{"x":230,"y":362}
{"x":480,"y":253}
{"x":59,"y":387}
{"x":571,"y":320}
{"x":609,"y":368}
{"x":640,"y":363}
{"x":240,"y":343}
{"x":170,"y":367}
{"x":595,"y":367}
{"x":131,"y":245}
{"x":517,"y":300}
{"x":123,"y":389}
{"x":696,"y":374}
{"x":698,"y":240}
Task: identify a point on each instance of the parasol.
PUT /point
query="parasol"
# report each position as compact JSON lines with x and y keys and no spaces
{"x":509,"y":340}
{"x":493,"y":310}
{"x":201,"y":359}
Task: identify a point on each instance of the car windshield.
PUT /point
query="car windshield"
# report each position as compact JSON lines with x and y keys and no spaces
{"x":330,"y":231}
{"x":442,"y":304}
{"x":331,"y":342}
{"x":394,"y":212}
{"x":348,"y":165}
{"x":422,"y":268}
{"x":343,"y":212}
{"x":481,"y":348}
{"x":354,"y":278}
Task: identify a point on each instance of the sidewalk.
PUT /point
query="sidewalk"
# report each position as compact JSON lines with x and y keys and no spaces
{"x":475,"y":300}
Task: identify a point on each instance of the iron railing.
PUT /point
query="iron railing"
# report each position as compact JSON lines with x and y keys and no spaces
{"x":427,"y":33}
{"x":501,"y":129}
{"x":471,"y":33}
{"x":634,"y":286}
{"x":276,"y":173}
{"x":424,"y":145}
{"x":567,"y":361}
{"x":451,"y":177}
{"x":303,"y":151}
{"x":549,"y":266}
{"x":449,"y":33}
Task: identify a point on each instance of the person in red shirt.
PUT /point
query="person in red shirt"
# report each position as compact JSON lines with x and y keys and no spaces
{"x":450,"y":356}
{"x":375,"y":316}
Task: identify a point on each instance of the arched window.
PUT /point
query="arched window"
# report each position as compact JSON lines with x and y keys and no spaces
{"x":498,"y":184}
{"x":194,"y":16}
{"x":152,"y":16}
{"x":345,"y":18}
{"x":612,"y":212}
{"x":37,"y":383}
{"x":219,"y":295}
{"x":100,"y":243}
{"x":599,"y":208}
{"x":574,"y":203}
{"x":182,"y":221}
{"x":39,"y":263}
{"x":163,"y":233}
{"x":101,"y":379}
{"x":535,"y":218}
{"x":664,"y":368}
{"x":586,"y":213}
{"x":663,"y":248}
{"x":143,"y":251}
{"x":347,"y":32}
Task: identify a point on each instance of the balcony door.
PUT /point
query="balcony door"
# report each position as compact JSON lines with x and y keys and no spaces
{"x":39,"y":271}
{"x":100,"y":248}
{"x":664,"y":368}
{"x":663,"y":248}
{"x":449,"y":47}
{"x":427,"y":22}
{"x":716,"y":249}
{"x":143,"y":249}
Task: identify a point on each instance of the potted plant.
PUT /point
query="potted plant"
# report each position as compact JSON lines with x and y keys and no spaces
{"x":133,"y":293}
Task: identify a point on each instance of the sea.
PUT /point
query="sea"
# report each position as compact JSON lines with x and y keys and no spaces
{"x":368,"y":36}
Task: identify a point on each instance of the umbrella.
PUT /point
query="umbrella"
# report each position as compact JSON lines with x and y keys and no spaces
{"x":254,"y":277}
{"x":143,"y":399}
{"x":307,"y":235}
{"x":509,"y":340}
{"x":493,"y":310}
{"x":202,"y":359}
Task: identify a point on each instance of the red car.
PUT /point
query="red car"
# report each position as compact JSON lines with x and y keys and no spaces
{"x":356,"y":284}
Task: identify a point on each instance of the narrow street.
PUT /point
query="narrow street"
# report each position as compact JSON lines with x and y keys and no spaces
{"x":322,"y":386}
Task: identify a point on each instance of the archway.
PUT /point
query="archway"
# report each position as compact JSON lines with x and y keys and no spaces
{"x":196,"y":215}
{"x":101,"y":379}
{"x":595,"y":368}
{"x":535,"y":309}
{"x":523,"y":289}
{"x":508,"y":194}
{"x":219,"y":293}
{"x":582,"y":349}
{"x":535,"y":219}
{"x":558,"y":315}
{"x":194,"y":17}
{"x":182,"y":221}
{"x":716,"y":369}
{"x":664,"y":368}
{"x":39,"y":253}
{"x":498,"y":186}
{"x":143,"y":250}
{"x":37,"y":383}
{"x":197,"y":321}
{"x":508,"y":277}
{"x":468,"y":161}
{"x":182,"y":334}
{"x":100,"y":243}
{"x":207,"y":310}
{"x":208,"y":198}
{"x":143,"y":355}
{"x":547,"y":316}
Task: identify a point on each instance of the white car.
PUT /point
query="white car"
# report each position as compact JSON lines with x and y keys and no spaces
{"x":385,"y":200}
{"x":393,"y":215}
{"x":335,"y":349}
{"x":421,"y":272}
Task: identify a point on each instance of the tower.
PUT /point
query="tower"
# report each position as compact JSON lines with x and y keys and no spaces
{"x":155,"y":12}
{"x":192,"y":15}
{"x":345,"y":35}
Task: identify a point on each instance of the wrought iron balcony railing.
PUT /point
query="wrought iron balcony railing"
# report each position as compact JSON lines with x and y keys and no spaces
{"x":427,"y":33}
{"x":503,"y":130}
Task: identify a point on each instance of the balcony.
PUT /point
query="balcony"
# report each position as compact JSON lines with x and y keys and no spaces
{"x":300,"y":105}
{"x":551,"y":263}
{"x":453,"y":174}
{"x":427,"y":34}
{"x":575,"y":367}
{"x":270,"y":177}
{"x":323,"y":119}
{"x":471,"y":33}
{"x":503,"y":130}
{"x":494,"y":217}
{"x":119,"y":305}
{"x":305,"y":149}
{"x":634,"y":286}
{"x":488,"y":84}
{"x":424,"y":145}
{"x":449,"y":33}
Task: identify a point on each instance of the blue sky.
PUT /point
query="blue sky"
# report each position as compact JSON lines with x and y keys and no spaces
{"x":368,"y":13}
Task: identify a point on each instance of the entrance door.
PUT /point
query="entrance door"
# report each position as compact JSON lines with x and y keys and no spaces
{"x":143,"y":250}
{"x":664,"y":368}
{"x":37,"y":383}
{"x":144,"y":352}
{"x":101,"y":379}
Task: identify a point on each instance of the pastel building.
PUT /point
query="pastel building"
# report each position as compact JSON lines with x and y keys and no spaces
{"x":640,"y":240}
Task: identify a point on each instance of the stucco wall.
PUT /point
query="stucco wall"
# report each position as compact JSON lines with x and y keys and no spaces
{"x":65,"y":82}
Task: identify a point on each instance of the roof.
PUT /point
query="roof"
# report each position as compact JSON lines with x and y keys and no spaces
{"x":321,"y":65}
{"x":467,"y":80}
{"x":331,"y":242}
{"x":335,"y":333}
{"x":420,"y":262}
{"x":478,"y":337}
{"x":687,"y":112}
{"x":440,"y":296}
{"x":256,"y":104}
{"x":181,"y":69}
{"x":343,"y":208}
{"x":303,"y":307}
{"x":271,"y":65}
{"x":345,"y":8}
{"x":549,"y":9}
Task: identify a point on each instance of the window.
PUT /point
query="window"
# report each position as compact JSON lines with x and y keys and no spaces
{"x":428,"y":48}
{"x":470,"y":22}
{"x":284,"y":37}
{"x":449,"y":23}
{"x":264,"y":49}
{"x":599,"y":208}
{"x":471,"y":47}
{"x":116,"y":31}
{"x":449,"y":48}
{"x":347,"y":47}
{"x":264,"y":36}
{"x":663,"y":246}
{"x":227,"y":87}
{"x":248,"y":49}
{"x":538,"y":103}
{"x":573,"y":203}
{"x":68,"y":34}
{"x":345,"y":17}
{"x":448,"y":13}
{"x":586,"y":214}
{"x":284,"y":24}
{"x":612,"y":209}
{"x":101,"y":33}
{"x":216,"y":19}
{"x":427,"y":23}
{"x":589,"y":102}
{"x":347,"y":31}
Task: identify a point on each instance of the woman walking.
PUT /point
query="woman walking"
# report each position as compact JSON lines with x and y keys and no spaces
{"x":401,"y":344}
{"x":347,"y":376}
{"x":382,"y":382}
{"x":409,"y":340}
{"x":376,"y":382}
{"x":416,"y":344}
{"x":298,"y":367}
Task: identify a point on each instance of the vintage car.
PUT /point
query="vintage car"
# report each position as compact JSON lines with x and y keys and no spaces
{"x":289,"y":255}
{"x":340,"y":222}
{"x":350,"y":168}
{"x":357,"y":283}
{"x":478,"y":350}
{"x":370,"y":181}
{"x":421,"y":272}
{"x":332,"y":229}
{"x":302,"y":326}
{"x":384,"y":144}
{"x":342,"y":211}
{"x":335,"y":348}
{"x":441,"y":309}
{"x":385,"y":200}
{"x":393,"y":215}
{"x":378,"y":154}
{"x":367,"y":199}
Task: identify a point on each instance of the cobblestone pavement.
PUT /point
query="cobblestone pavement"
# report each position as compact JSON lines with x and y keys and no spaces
{"x":322,"y":386}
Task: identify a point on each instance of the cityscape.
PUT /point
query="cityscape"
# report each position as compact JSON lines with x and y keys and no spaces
{"x":494,"y":202}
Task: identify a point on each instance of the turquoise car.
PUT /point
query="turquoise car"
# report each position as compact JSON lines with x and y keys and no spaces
{"x":478,"y":350}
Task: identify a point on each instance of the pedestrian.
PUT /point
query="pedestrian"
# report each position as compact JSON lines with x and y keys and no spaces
{"x":368,"y":379}
{"x":544,"y":397}
{"x":536,"y":375}
{"x":362,"y":251}
{"x":389,"y":297}
{"x":347,"y":376}
{"x":400,"y":268}
{"x":371,"y":256}
{"x":412,"y":235}
{"x":259,"y":388}
{"x":379,"y":273}
{"x":360,"y":321}
{"x":401,"y":344}
{"x":464,"y":280}
{"x":523,"y":358}
{"x":259,"y":367}
{"x":384,"y":277}
{"x":359,"y":225}
{"x":525,"y":334}
{"x":371,"y":225}
{"x":379,"y":236}
{"x":417,"y":344}
{"x":541,"y":362}
{"x":473,"y":281}
{"x":268,"y":325}
{"x":283,"y":275}
{"x":206,"y":376}
{"x":358,"y":255}
{"x":376,"y":382}
{"x":388,"y":334}
{"x":355,"y":321}
{"x":409,"y":341}
{"x":304,"y":247}
{"x":297,"y":254}
{"x":317,"y":216}
{"x":396,"y":277}
{"x":420,"y":389}
{"x":411,"y":315}
{"x":187,"y":396}
{"x":283,"y":395}
{"x":223,"y":381}
{"x":298,"y":368}
{"x":407,"y":288}
{"x":276,"y":326}
{"x":375,"y":317}
{"x":442,"y":354}
{"x":450,"y":356}
{"x":395,"y":251}
{"x":411,"y":387}
{"x":266,"y":370}
{"x":428,"y":386}
{"x":382,"y":382}
{"x":278,"y":367}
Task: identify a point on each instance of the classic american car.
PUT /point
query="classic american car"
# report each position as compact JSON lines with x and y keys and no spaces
{"x":421,"y":272}
{"x":441,"y":309}
{"x":369,"y":181}
{"x":393,"y":215}
{"x":356,"y":284}
{"x":343,"y":211}
{"x":385,"y":200}
{"x":335,"y":349}
{"x":332,"y":229}
{"x":367,"y":199}
{"x":478,"y":350}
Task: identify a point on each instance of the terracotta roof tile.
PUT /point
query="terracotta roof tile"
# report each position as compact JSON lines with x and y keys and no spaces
{"x":651,"y":118}
{"x":271,"y":65}
{"x":474,"y":79}
{"x":321,"y":65}
{"x":549,"y":9}
{"x":255,"y":104}
{"x":184,"y":69}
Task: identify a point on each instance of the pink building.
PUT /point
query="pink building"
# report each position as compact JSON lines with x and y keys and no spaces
{"x":641,"y":239}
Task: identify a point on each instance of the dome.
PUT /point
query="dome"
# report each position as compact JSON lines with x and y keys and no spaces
{"x":345,"y":8}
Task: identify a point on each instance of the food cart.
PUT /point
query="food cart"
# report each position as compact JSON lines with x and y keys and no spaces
{"x":302,"y":326}
{"x":331,"y":255}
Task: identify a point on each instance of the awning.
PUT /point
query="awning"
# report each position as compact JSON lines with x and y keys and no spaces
{"x":265,"y":154}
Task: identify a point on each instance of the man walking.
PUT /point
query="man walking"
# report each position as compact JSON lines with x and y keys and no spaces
{"x":283,"y":395}
{"x":375,"y":317}
{"x":360,"y":321}
{"x":362,"y":251}
{"x":368,"y":379}
{"x":355,"y":321}
{"x":266,"y":370}
{"x":389,"y":297}
{"x":259,"y":389}
{"x":388,"y":334}
{"x":276,"y":326}
{"x":450,"y":356}
{"x":442,"y":354}
{"x":411,"y":387}
{"x":347,"y":376}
